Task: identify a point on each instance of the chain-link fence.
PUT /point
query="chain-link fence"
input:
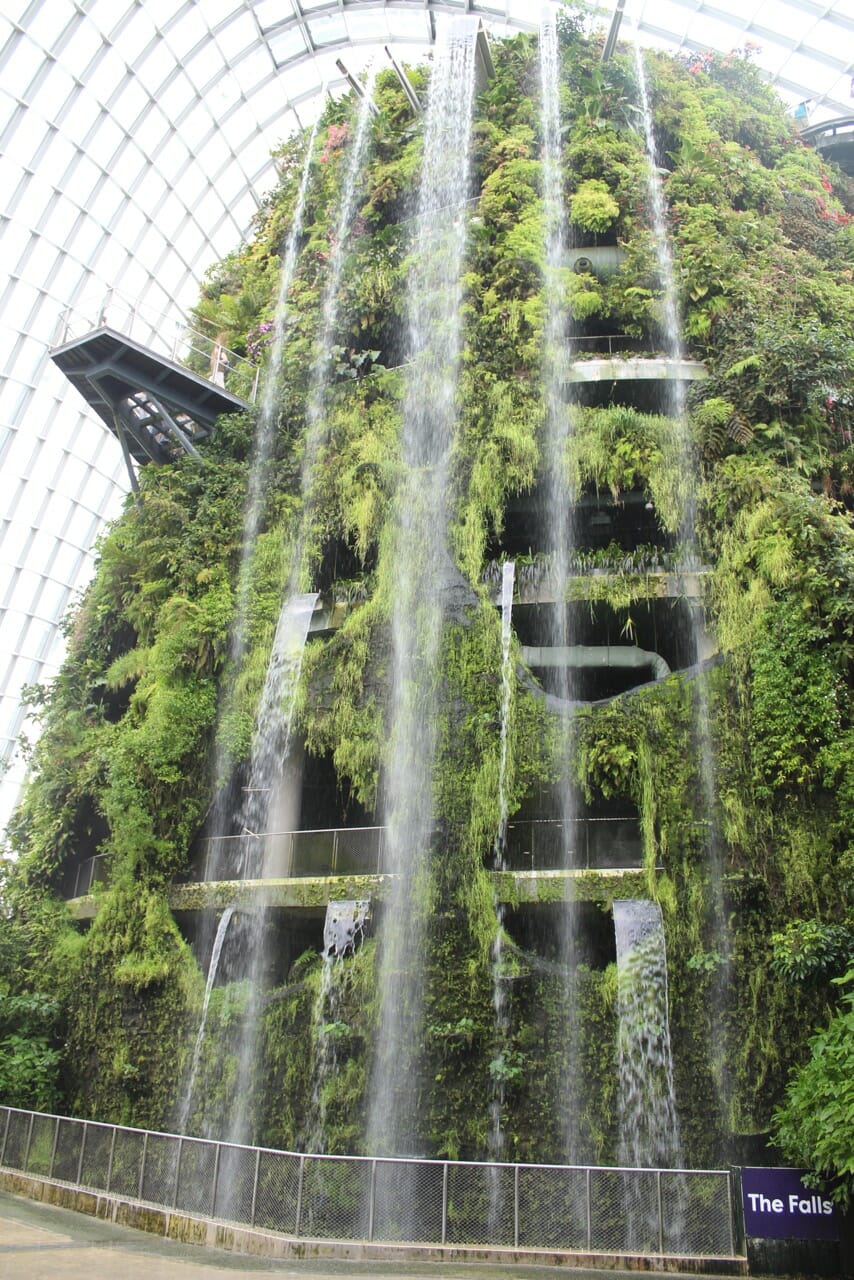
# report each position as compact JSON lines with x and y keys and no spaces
{"x":431,"y":1202}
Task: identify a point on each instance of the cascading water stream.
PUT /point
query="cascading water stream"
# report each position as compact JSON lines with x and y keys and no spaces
{"x":213,"y":968}
{"x":343,"y":932}
{"x":316,"y":407}
{"x":688,"y":468}
{"x":422,"y":571}
{"x":265,"y":436}
{"x":649,"y":1127}
{"x":649,"y":1124}
{"x":220,"y":850}
{"x":265,"y":795}
{"x":262,"y":798}
{"x":499,"y":998}
{"x":500,"y":1061}
{"x":556,"y":518}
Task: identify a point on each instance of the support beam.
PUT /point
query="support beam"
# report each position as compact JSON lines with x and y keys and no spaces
{"x":613,"y":33}
{"x":405,"y":83}
{"x":356,"y":86}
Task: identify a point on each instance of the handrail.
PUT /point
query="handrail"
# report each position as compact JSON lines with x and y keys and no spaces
{"x":167,"y":332}
{"x":609,"y":1209}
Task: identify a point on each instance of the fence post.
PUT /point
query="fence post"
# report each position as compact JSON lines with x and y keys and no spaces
{"x":215,"y":1181}
{"x":444,"y":1202}
{"x":730,"y":1212}
{"x":142,"y":1165}
{"x":589,"y":1214}
{"x":5,"y":1134}
{"x":516,"y":1207}
{"x":255,"y":1187}
{"x":660,"y":1213}
{"x":299,"y":1195}
{"x":79,"y":1178}
{"x":372,"y":1200}
{"x":334,"y":849}
{"x":29,"y":1140}
{"x":110,"y":1160}
{"x":54,"y":1146}
{"x":177,"y":1173}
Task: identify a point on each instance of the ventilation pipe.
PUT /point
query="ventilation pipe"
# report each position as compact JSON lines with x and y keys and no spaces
{"x":590,"y":657}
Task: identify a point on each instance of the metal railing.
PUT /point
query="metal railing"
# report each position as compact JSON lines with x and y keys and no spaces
{"x":328,"y":851}
{"x":612,"y":344}
{"x":81,"y":879}
{"x":348,"y":1198}
{"x":599,"y":844}
{"x":532,"y":845}
{"x":168,"y":333}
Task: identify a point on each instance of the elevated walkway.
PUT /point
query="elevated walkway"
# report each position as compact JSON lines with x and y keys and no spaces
{"x":629,"y":368}
{"x":140,"y":386}
{"x":309,"y":895}
{"x":835,"y":140}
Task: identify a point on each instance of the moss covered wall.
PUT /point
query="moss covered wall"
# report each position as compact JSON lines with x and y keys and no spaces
{"x":756,"y":894}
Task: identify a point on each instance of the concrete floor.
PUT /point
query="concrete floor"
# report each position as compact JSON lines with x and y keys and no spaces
{"x":42,"y":1242}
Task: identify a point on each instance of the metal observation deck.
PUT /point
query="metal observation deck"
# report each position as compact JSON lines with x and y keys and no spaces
{"x":147,"y":387}
{"x":834,"y":139}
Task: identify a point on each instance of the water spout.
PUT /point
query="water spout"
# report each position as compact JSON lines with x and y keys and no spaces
{"x":649,"y":1128}
{"x":213,"y":969}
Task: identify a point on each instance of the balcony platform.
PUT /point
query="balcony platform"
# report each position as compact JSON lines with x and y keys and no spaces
{"x":151,"y":404}
{"x":635,"y":369}
{"x":309,"y":895}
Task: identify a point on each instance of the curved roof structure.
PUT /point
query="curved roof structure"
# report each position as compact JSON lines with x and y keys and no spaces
{"x":134,"y":149}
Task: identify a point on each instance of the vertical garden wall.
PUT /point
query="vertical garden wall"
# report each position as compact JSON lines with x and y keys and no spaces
{"x":147,"y":732}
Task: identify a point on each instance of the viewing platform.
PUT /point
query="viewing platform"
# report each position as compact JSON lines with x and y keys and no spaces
{"x":309,"y":895}
{"x":625,"y":367}
{"x":308,"y":869}
{"x":148,"y":390}
{"x":835,"y":140}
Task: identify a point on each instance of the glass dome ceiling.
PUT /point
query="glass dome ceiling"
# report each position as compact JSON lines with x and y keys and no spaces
{"x":134,"y":149}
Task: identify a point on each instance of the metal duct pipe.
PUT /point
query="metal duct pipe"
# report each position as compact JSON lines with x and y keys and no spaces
{"x":595,"y":656}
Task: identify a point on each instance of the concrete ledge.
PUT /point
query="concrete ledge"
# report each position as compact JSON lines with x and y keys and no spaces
{"x":207,"y":1232}
{"x":518,"y":887}
{"x":310,"y":894}
{"x":630,"y":369}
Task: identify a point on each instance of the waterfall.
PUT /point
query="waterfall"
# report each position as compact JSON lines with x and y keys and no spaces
{"x":649,"y":1129}
{"x":316,"y":407}
{"x":265,"y":437}
{"x":265,"y":797}
{"x":556,"y":522}
{"x":262,"y":453}
{"x":343,"y":933}
{"x":690,"y":556}
{"x":422,"y":571}
{"x":499,"y":998}
{"x":270,"y":803}
{"x":213,"y":968}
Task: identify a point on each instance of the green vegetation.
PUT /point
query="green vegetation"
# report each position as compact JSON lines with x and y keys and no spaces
{"x":757,"y":893}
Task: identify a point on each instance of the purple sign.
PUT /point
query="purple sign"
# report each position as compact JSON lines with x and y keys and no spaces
{"x":777,"y":1206}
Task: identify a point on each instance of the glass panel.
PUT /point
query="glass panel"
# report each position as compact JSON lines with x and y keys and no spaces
{"x":357,"y":851}
{"x":312,"y":853}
